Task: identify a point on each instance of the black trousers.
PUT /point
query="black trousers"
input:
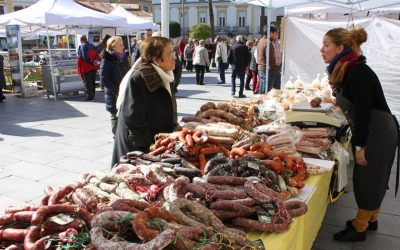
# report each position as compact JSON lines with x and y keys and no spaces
{"x":199,"y":73}
{"x":90,"y":83}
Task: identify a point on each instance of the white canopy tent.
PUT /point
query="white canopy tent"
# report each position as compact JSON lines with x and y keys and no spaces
{"x":56,"y":13}
{"x":303,"y":39}
{"x":134,"y":22}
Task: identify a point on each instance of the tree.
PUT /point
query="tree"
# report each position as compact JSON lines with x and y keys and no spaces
{"x":211,"y":11}
{"x":174,"y":29}
{"x":200,"y":31}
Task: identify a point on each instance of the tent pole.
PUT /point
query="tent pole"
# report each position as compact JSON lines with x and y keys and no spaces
{"x":68,"y":40}
{"x":129,"y":43}
{"x":267,"y":55}
{"x":51,"y":64}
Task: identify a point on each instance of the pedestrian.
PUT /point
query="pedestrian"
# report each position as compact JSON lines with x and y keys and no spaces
{"x":188,"y":55}
{"x":143,"y":36}
{"x":221,"y":58}
{"x":249,"y":73}
{"x":2,"y":79}
{"x":375,"y":132}
{"x":181,"y":51}
{"x":114,"y":65}
{"x":275,"y":61}
{"x":254,"y":70}
{"x":200,"y":62}
{"x":239,"y":58}
{"x":88,"y":64}
{"x":145,"y":103}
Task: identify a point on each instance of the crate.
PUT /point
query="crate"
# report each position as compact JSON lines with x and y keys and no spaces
{"x":30,"y":89}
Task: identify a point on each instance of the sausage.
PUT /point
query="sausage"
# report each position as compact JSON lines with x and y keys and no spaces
{"x":88,"y":198}
{"x":248,"y":202}
{"x":11,"y":209}
{"x":40,"y":215}
{"x":13,"y":234}
{"x":226,"y":180}
{"x":23,"y":216}
{"x":107,"y":219}
{"x":225,"y":214}
{"x":260,"y":226}
{"x":54,"y":227}
{"x":262,"y":197}
{"x":101,"y":243}
{"x":296,"y":208}
{"x":6,"y":219}
{"x":139,"y":205}
{"x":59,"y":194}
{"x":33,"y":241}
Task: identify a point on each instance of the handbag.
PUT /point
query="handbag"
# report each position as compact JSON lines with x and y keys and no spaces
{"x":219,"y":60}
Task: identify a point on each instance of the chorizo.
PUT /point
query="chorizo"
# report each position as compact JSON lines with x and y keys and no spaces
{"x":260,"y":226}
{"x":13,"y":234}
{"x":296,"y":208}
{"x":40,"y":215}
{"x":226,"y":180}
{"x":56,"y":197}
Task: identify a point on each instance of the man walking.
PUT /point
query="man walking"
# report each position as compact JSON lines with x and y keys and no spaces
{"x":239,"y":58}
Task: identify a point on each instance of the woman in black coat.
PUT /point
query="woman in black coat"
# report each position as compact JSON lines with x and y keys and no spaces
{"x":145,"y":104}
{"x":2,"y":79}
{"x":375,"y":132}
{"x":114,"y":66}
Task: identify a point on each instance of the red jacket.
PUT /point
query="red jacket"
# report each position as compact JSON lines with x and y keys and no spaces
{"x":88,"y":58}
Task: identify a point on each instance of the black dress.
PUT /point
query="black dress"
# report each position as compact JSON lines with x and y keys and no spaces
{"x":147,"y":110}
{"x":361,"y":98}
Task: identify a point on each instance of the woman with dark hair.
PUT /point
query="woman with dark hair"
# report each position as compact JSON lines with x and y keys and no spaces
{"x":375,"y":132}
{"x":114,"y":65}
{"x":145,"y":102}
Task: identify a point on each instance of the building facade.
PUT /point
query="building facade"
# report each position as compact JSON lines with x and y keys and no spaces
{"x":229,"y":19}
{"x":7,"y":6}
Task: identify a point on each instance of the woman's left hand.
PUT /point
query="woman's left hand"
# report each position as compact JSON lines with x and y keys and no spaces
{"x":360,"y":157}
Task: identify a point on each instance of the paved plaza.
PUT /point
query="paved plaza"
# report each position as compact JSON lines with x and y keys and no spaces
{"x":45,"y":142}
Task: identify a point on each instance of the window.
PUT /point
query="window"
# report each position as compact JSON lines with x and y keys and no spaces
{"x":16,"y":8}
{"x":242,"y":19}
{"x":222,"y":21}
{"x":1,"y":9}
{"x":202,"y":17}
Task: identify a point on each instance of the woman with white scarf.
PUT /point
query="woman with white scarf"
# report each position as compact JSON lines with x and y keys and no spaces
{"x":145,"y":102}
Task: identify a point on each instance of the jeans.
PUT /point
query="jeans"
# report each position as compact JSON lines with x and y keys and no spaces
{"x":90,"y":83}
{"x":274,"y":81}
{"x":221,"y":71}
{"x":262,"y":79}
{"x":241,"y":73}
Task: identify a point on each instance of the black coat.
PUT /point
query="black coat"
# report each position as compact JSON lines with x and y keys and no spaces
{"x":239,"y":56}
{"x":2,"y":78}
{"x":143,"y":114}
{"x":112,"y":70}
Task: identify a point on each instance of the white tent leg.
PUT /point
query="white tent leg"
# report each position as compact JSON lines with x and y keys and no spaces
{"x":267,"y":50}
{"x":51,"y":64}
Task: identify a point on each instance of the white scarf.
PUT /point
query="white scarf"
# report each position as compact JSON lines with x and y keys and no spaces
{"x":166,"y":77}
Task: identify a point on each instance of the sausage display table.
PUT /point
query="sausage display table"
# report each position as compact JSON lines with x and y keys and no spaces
{"x":304,"y":229}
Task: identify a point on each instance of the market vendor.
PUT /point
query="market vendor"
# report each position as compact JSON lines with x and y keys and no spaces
{"x":145,"y":101}
{"x":374,"y":129}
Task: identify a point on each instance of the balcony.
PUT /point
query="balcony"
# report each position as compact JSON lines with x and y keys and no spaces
{"x":241,"y":30}
{"x":221,"y":30}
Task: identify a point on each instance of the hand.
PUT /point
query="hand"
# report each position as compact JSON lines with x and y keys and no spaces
{"x":360,"y":157}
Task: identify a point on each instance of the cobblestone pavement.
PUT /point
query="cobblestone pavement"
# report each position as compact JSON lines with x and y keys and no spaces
{"x":46,"y":142}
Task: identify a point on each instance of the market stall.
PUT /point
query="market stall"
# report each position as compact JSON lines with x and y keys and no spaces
{"x":53,"y":15}
{"x":233,"y":165}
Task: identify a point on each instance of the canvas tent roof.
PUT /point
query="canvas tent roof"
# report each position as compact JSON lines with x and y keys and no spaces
{"x":60,"y":13}
{"x":134,"y":22}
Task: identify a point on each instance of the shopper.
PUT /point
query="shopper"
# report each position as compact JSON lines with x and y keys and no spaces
{"x":375,"y":133}
{"x":188,"y":55}
{"x":145,"y":103}
{"x":113,"y":68}
{"x":88,"y":64}
{"x":221,"y":58}
{"x":2,"y":79}
{"x":239,"y":58}
{"x":254,"y":70}
{"x":249,"y":73}
{"x":275,"y":61}
{"x":200,"y":62}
